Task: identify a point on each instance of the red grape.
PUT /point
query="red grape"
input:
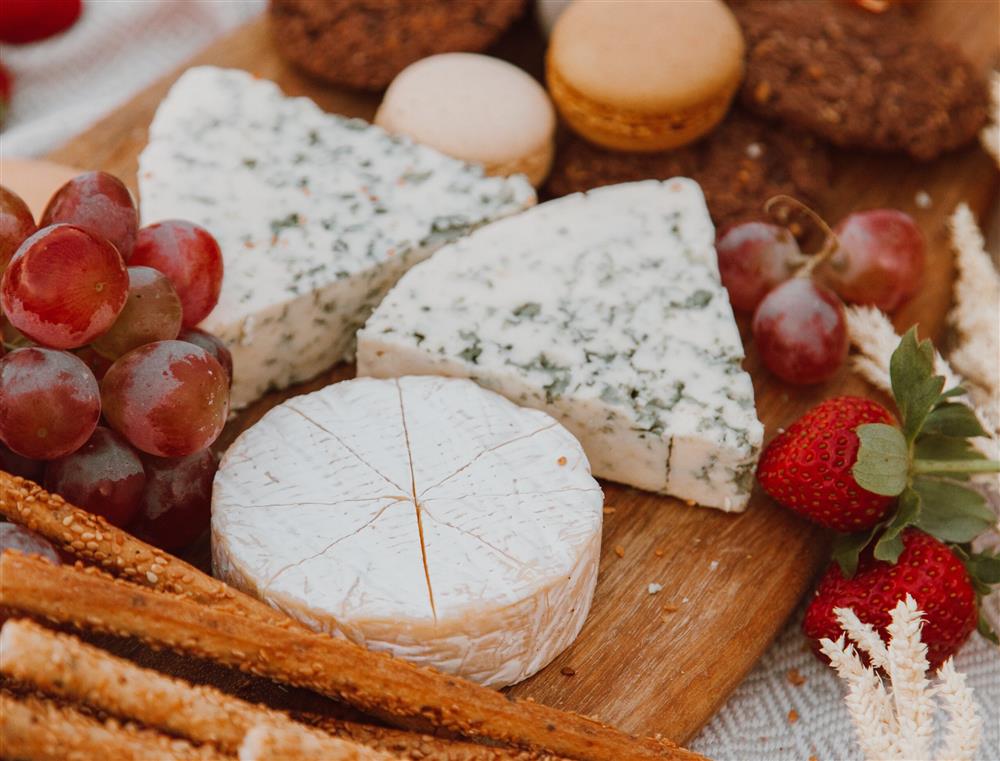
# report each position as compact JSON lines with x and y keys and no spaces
{"x":15,"y":537}
{"x":190,"y":257}
{"x":104,"y":476}
{"x":175,"y":508}
{"x":17,"y":465}
{"x":213,"y":345}
{"x":16,"y":224}
{"x":99,"y":203}
{"x":51,"y":402}
{"x":64,"y":287}
{"x":801,"y":331}
{"x":168,"y":398}
{"x":152,"y":313}
{"x":879,"y":259}
{"x":98,"y":365}
{"x":753,"y":258}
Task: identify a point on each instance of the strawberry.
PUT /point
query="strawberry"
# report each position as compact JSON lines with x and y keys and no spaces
{"x":23,"y":21}
{"x":808,"y":467}
{"x":927,"y":569}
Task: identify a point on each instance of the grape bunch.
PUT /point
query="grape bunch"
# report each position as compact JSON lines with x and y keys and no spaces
{"x":109,"y":394}
{"x":799,"y":324}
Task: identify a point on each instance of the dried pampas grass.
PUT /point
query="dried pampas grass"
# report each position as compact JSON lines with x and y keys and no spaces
{"x":896,"y":720}
{"x":990,"y":135}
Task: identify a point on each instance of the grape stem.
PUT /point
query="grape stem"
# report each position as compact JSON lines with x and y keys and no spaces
{"x":830,"y":242}
{"x":955,"y":466}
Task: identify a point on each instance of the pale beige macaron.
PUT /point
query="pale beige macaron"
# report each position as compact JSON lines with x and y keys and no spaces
{"x":475,"y":108}
{"x":644,"y":75}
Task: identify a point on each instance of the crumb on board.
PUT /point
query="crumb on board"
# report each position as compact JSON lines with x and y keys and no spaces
{"x":619,"y":551}
{"x":713,"y":565}
{"x":567,"y":671}
{"x":922,"y":199}
{"x":755,"y":151}
{"x":659,"y":552}
{"x":793,"y":716}
{"x":795,"y":678}
{"x":654,"y":588}
{"x":609,"y":510}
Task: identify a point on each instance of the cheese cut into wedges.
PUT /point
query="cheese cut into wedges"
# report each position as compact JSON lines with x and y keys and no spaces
{"x":422,"y":516}
{"x":317,"y":215}
{"x":607,"y":311}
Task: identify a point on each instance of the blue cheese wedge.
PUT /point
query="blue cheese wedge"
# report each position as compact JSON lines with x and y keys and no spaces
{"x":317,"y":215}
{"x":607,"y":311}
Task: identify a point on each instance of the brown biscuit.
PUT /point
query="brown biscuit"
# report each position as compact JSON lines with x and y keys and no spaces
{"x":859,"y":79}
{"x":365,"y":43}
{"x":745,"y":161}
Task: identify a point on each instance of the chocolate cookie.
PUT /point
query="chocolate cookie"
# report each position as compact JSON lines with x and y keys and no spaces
{"x":365,"y":43}
{"x":859,"y":79}
{"x":739,"y":166}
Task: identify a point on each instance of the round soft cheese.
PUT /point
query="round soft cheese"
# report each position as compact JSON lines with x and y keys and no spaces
{"x":422,"y":516}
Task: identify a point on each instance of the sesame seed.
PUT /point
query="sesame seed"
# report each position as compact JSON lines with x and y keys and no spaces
{"x":151,"y":577}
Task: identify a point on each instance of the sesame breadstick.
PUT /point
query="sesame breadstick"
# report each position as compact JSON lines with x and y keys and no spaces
{"x":270,"y":742}
{"x":336,"y":668}
{"x":40,"y":730}
{"x":62,"y":665}
{"x":91,"y":538}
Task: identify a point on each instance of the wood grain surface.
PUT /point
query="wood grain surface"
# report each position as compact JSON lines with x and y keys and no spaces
{"x":659,"y":663}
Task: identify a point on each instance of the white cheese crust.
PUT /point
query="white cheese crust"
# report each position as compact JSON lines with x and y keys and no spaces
{"x":422,"y":516}
{"x":317,"y":215}
{"x":607,"y":311}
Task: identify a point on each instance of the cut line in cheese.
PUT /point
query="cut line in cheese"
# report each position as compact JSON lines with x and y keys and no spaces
{"x":422,"y":516}
{"x":607,"y":311}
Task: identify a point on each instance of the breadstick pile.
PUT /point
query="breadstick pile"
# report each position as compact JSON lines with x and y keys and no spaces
{"x":135,"y":590}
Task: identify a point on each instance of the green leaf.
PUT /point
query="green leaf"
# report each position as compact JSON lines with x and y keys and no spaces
{"x":847,"y":548}
{"x":984,"y":567}
{"x":951,"y":512}
{"x":935,"y":447}
{"x":956,"y":391}
{"x":890,"y":545}
{"x":883,"y":461}
{"x":986,"y":630}
{"x":914,"y":386}
{"x":953,"y":419}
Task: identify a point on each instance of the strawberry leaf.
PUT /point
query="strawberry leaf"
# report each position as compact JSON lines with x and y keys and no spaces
{"x":935,"y":447}
{"x":953,"y":419}
{"x":986,"y":630}
{"x":890,"y":545}
{"x":951,"y":512}
{"x":847,"y":548}
{"x":956,"y":391}
{"x":883,"y":460}
{"x":984,"y":567}
{"x":914,"y":386}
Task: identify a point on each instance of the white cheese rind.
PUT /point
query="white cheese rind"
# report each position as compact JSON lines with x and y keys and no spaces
{"x":607,"y":311}
{"x":317,"y":215}
{"x":313,"y":511}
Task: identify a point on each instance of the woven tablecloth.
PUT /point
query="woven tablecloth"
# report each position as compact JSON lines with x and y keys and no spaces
{"x":65,"y":84}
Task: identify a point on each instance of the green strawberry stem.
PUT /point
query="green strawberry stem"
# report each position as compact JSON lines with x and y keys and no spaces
{"x":953,"y":466}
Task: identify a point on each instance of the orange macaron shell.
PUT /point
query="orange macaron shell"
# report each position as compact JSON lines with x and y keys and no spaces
{"x":644,"y":76}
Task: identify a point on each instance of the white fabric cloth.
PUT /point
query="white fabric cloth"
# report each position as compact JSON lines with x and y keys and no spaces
{"x":66,"y":83}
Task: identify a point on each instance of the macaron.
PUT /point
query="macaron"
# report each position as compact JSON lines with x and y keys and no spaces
{"x":475,"y":108}
{"x":637,"y":75}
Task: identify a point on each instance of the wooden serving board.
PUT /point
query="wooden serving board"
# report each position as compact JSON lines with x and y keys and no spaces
{"x":734,"y":580}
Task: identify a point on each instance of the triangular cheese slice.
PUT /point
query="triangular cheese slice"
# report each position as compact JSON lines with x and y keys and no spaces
{"x":607,"y":311}
{"x":317,"y":215}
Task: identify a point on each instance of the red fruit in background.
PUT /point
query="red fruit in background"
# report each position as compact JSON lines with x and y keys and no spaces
{"x":64,"y":287}
{"x":808,"y":467}
{"x":17,"y":465}
{"x":24,"y":21}
{"x":16,"y":222}
{"x":800,"y":329}
{"x":190,"y":257}
{"x":104,"y":476}
{"x":51,"y":402}
{"x":176,"y":505}
{"x":879,"y":259}
{"x":927,"y":569}
{"x":99,"y":203}
{"x":152,"y":312}
{"x":168,"y":398}
{"x":213,"y":345}
{"x":753,"y":258}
